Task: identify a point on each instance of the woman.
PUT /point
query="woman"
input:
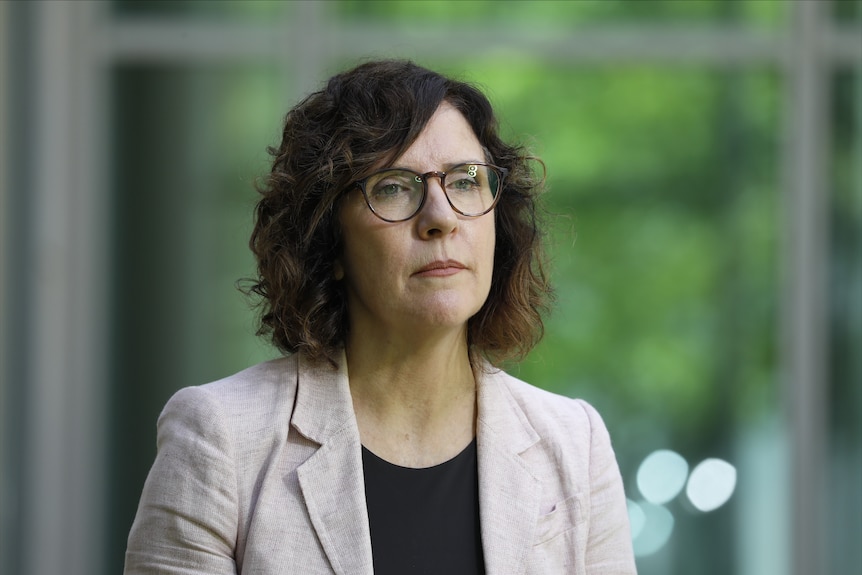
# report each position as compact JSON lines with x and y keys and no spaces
{"x":398,"y":253}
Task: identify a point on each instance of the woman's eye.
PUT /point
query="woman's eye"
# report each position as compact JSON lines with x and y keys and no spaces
{"x":464,"y":184}
{"x":387,"y":189}
{"x":393,"y":188}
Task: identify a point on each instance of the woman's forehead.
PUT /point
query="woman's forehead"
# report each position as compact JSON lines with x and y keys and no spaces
{"x":447,"y":140}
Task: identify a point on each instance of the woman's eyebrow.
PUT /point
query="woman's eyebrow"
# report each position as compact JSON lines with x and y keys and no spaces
{"x":447,"y":166}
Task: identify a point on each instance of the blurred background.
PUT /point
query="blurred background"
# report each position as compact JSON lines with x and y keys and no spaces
{"x":705,"y":169}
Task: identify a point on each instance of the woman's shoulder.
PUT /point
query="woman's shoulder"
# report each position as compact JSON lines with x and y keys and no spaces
{"x":260,"y":392}
{"x":261,"y":381}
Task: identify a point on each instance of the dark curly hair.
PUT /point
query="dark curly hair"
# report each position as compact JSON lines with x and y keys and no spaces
{"x":364,"y":119}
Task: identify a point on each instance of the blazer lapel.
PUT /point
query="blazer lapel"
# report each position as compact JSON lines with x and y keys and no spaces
{"x":332,"y":480}
{"x":333,"y":484}
{"x":508,"y":492}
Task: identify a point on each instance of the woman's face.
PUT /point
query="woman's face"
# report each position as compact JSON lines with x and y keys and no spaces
{"x":430,"y":272}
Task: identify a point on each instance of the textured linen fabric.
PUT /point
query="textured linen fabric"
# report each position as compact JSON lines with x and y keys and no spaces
{"x":261,"y":473}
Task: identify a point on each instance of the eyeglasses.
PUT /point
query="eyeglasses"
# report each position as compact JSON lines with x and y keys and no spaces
{"x":396,"y":195}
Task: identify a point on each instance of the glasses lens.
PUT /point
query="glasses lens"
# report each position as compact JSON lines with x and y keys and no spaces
{"x":394,"y":194}
{"x":472,"y":188}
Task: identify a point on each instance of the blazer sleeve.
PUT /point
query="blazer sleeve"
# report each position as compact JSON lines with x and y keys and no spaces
{"x":187,"y":518}
{"x":609,"y":547}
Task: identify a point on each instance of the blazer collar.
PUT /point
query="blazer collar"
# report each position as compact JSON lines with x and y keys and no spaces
{"x":324,"y":407}
{"x":508,"y":490}
{"x":331,"y":480}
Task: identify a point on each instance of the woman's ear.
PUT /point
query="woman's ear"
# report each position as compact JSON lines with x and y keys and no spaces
{"x":338,"y":270}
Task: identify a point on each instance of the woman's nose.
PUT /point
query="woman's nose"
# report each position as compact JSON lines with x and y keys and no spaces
{"x":436,"y":218}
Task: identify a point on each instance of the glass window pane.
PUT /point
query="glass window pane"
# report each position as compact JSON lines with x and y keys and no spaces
{"x":188,"y":146}
{"x":845,"y":362}
{"x":233,"y":9}
{"x":662,"y":186}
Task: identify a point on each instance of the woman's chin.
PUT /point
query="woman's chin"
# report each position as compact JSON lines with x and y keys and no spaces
{"x":444,"y":313}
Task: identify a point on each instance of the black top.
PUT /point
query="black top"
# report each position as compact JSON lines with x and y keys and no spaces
{"x":424,"y":520}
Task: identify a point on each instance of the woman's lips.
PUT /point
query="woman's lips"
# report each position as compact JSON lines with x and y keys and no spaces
{"x":440,"y":269}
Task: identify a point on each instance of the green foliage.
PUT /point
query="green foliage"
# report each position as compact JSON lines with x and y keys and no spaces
{"x":562,"y":12}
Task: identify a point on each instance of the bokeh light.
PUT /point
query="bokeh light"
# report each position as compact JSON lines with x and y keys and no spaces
{"x":655,"y":530}
{"x":711,"y":484}
{"x":637,"y":518}
{"x":662,"y":476}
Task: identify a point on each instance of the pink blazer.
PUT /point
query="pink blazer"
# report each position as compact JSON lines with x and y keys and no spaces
{"x":261,"y":473}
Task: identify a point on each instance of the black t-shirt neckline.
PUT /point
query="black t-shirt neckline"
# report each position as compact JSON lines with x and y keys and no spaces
{"x":424,"y":520}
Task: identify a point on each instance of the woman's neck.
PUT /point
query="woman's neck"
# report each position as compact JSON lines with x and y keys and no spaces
{"x":415,"y":407}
